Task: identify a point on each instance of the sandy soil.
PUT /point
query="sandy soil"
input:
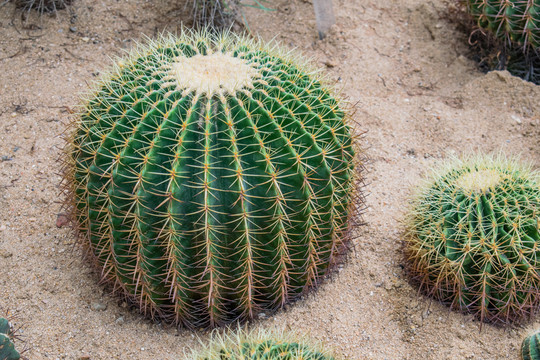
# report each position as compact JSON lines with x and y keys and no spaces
{"x":418,"y":95}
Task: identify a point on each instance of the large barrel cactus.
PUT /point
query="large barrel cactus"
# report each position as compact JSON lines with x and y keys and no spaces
{"x":260,"y":345}
{"x":473,"y":238}
{"x":516,"y":22}
{"x":211,"y":176}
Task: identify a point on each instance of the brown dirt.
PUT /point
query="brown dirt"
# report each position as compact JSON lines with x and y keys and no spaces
{"x":418,"y":96}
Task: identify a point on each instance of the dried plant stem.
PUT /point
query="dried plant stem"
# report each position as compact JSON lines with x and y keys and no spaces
{"x":219,"y":14}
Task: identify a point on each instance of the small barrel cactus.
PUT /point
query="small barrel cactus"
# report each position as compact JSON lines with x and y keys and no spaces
{"x":261,"y":345}
{"x":211,"y":176}
{"x":516,"y":22}
{"x":473,"y":238}
{"x":7,"y":349}
{"x":530,"y":347}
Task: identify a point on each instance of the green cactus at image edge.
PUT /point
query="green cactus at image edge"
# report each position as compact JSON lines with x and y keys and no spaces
{"x":516,"y":22}
{"x":7,"y":349}
{"x":473,"y":238}
{"x":530,"y":348}
{"x":260,"y":345}
{"x":212,"y":177}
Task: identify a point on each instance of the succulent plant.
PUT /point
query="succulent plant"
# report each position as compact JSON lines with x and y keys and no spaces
{"x":212,"y":177}
{"x":261,"y":345}
{"x":530,"y":347}
{"x":7,"y":349}
{"x":473,"y":238}
{"x":516,"y":22}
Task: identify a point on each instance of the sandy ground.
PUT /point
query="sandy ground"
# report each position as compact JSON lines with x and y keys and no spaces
{"x":418,"y":95}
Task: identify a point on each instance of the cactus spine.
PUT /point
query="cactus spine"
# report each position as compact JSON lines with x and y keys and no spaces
{"x":473,"y":238}
{"x":211,"y":176}
{"x":7,"y":349}
{"x":517,"y":22}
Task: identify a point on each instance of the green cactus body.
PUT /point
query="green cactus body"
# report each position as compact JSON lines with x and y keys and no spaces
{"x":7,"y":349}
{"x":516,"y":21}
{"x":473,"y":239}
{"x":530,"y":348}
{"x":212,"y":178}
{"x":260,"y":346}
{"x":5,"y":327}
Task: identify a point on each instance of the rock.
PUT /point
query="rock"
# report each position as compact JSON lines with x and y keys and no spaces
{"x":330,"y":63}
{"x":61,"y":220}
{"x":98,"y":306}
{"x":517,"y":119}
{"x":503,"y":75}
{"x":73,"y":29}
{"x":120,"y":321}
{"x":5,"y":254}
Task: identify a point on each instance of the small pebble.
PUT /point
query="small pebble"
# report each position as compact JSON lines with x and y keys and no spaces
{"x":5,"y":254}
{"x":516,"y":119}
{"x":98,"y":306}
{"x":330,"y":63}
{"x":61,"y":220}
{"x":120,"y":320}
{"x":261,"y":316}
{"x":73,"y":29}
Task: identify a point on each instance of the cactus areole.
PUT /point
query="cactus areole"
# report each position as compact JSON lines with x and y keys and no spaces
{"x":211,"y":176}
{"x":474,"y":240}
